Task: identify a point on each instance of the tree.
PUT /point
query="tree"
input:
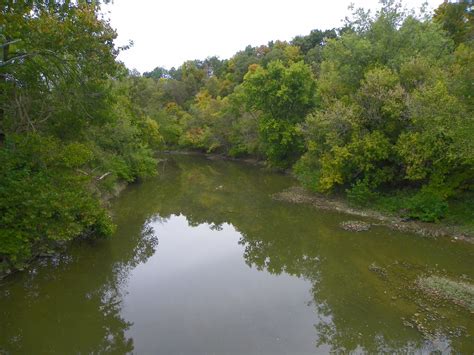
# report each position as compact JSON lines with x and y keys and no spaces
{"x":68,"y":132}
{"x":51,"y":81}
{"x":284,"y":95}
{"x":316,"y":38}
{"x":157,"y":73}
{"x":455,"y":19}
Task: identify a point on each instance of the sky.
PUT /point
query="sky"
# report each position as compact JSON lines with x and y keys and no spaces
{"x":168,"y":32}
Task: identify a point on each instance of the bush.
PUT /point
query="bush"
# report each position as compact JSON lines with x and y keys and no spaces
{"x":119,"y":149}
{"x":427,"y":206}
{"x":44,"y":199}
{"x":360,"y":193}
{"x":308,"y":172}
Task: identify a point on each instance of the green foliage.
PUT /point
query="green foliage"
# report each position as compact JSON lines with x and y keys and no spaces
{"x":342,"y":69}
{"x":396,"y":110}
{"x":282,"y":142}
{"x":308,"y":171}
{"x":361,"y":194}
{"x":382,"y":101}
{"x":461,"y":211}
{"x":70,"y":127}
{"x":456,"y":21}
{"x":57,"y":83}
{"x":119,"y":151}
{"x":157,"y":73}
{"x":438,"y":146}
{"x":283,"y":95}
{"x":203,"y":128}
{"x":314,"y":39}
{"x":427,"y":205}
{"x":44,"y":198}
{"x":380,"y":106}
{"x":461,"y":73}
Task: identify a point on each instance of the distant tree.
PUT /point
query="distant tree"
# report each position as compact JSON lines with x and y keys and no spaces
{"x":157,"y":73}
{"x":316,"y":38}
{"x":455,"y":19}
{"x":239,"y":64}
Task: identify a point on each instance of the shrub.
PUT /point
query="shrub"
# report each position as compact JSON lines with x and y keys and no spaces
{"x":427,"y":206}
{"x":361,"y":194}
{"x":44,"y":198}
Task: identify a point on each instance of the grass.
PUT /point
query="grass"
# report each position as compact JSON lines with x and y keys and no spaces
{"x":458,"y":292}
{"x":461,"y":211}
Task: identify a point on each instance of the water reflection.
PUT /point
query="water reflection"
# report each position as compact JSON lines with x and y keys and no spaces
{"x":209,"y":301}
{"x":233,"y":272}
{"x":73,"y":303}
{"x":62,"y":314}
{"x":358,"y":310}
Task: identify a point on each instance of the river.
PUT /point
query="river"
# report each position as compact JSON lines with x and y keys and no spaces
{"x":204,"y":261}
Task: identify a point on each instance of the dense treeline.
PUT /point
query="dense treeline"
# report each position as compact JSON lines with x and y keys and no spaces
{"x":381,"y":109}
{"x":68,"y":129}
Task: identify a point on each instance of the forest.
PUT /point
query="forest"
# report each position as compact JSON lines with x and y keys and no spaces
{"x":380,"y":111}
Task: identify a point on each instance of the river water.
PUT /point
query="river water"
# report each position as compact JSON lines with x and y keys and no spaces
{"x":204,"y":261}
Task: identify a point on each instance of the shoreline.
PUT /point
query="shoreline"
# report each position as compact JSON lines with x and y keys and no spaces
{"x":299,"y":195}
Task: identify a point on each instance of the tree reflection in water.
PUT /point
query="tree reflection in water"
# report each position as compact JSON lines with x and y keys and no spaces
{"x":358,"y":311}
{"x":75,"y":308}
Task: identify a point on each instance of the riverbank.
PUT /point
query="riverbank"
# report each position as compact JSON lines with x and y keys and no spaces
{"x":299,"y":195}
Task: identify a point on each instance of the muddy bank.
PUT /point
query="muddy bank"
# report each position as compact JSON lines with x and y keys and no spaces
{"x":297,"y":194}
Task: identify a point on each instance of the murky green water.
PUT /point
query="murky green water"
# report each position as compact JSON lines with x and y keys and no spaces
{"x":205,"y":262}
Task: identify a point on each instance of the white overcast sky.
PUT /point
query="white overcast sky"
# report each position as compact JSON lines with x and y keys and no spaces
{"x":168,"y":32}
